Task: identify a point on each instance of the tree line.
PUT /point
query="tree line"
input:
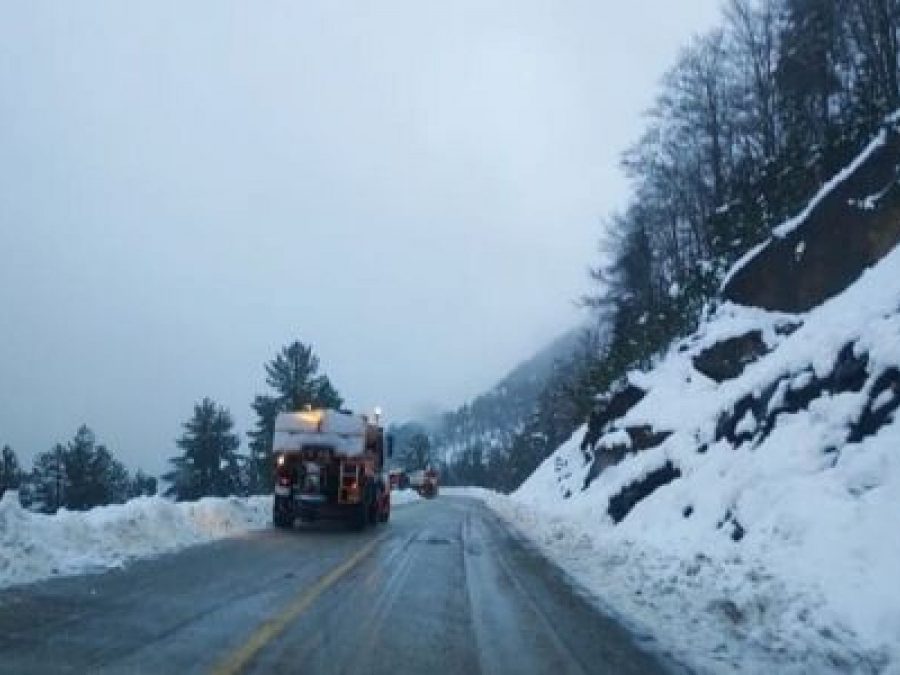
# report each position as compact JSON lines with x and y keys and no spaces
{"x":749,"y":121}
{"x":83,"y":473}
{"x":77,"y":475}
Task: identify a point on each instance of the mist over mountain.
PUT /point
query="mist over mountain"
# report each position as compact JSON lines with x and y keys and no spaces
{"x":499,"y":437}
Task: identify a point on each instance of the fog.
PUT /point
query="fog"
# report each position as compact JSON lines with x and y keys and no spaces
{"x":415,"y":189}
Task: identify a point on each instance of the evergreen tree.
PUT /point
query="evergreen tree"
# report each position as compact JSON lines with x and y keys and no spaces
{"x":260,"y":465}
{"x":110,"y":482}
{"x":93,"y":477}
{"x":49,"y":481}
{"x":872,"y":26}
{"x":294,"y":377}
{"x":416,"y":452}
{"x":809,"y":84}
{"x":209,"y":465}
{"x":142,"y":485}
{"x":78,"y":460}
{"x":10,"y":473}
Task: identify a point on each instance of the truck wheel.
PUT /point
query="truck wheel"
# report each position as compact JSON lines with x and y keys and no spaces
{"x":282,"y":517}
{"x":370,"y":501}
{"x":360,"y":517}
{"x":281,"y":520}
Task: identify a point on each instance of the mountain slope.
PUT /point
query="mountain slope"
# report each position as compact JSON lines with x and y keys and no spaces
{"x":490,"y":422}
{"x":739,"y":499}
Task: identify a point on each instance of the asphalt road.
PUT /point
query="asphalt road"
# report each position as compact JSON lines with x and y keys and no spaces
{"x":443,"y":588}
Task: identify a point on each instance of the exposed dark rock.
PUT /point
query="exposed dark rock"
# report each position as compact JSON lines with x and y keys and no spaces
{"x":737,"y":530}
{"x":626,"y":499}
{"x":726,"y":426}
{"x":876,"y":416}
{"x":688,"y":511}
{"x":799,"y":397}
{"x":727,"y":359}
{"x":616,"y":403}
{"x":604,"y":456}
{"x":728,"y":609}
{"x":848,"y":230}
{"x":849,"y":374}
{"x":640,"y":438}
{"x":644,"y":437}
{"x":597,"y":466}
{"x":787,"y":328}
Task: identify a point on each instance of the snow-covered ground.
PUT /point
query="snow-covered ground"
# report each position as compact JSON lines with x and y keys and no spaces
{"x":777,"y":550}
{"x":401,"y":497}
{"x":35,"y":546}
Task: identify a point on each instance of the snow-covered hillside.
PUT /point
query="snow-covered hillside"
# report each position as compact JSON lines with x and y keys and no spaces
{"x":748,"y":521}
{"x":491,"y":421}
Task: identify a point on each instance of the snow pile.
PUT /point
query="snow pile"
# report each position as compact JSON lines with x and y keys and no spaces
{"x":757,"y":529}
{"x":36,"y":546}
{"x":401,"y":497}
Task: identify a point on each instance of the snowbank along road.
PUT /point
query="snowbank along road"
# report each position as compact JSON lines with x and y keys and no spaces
{"x":445,"y":588}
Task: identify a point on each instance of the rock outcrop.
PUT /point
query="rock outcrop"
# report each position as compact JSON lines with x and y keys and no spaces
{"x":727,"y":359}
{"x":852,"y":223}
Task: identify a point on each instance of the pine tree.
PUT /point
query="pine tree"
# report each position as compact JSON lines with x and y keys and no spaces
{"x":292,"y":374}
{"x":142,"y":485}
{"x":49,"y":480}
{"x":81,"y":475}
{"x":10,"y":473}
{"x":808,"y":84}
{"x":209,"y":465}
{"x":78,"y":460}
{"x":294,"y":379}
{"x":260,"y":469}
{"x":416,"y":452}
{"x":110,"y":482}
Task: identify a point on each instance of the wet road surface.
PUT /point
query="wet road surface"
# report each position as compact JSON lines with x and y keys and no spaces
{"x":443,"y":588}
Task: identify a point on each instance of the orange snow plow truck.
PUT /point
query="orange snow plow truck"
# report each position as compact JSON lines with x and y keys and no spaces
{"x":329,"y":465}
{"x":425,"y":482}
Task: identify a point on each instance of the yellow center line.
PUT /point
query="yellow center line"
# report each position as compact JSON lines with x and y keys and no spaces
{"x":272,"y":628}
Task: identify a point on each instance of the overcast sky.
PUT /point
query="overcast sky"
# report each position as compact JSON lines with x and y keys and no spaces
{"x":415,"y":188}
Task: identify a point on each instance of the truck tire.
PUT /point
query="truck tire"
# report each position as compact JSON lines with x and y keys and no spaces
{"x":360,"y":517}
{"x":373,"y":512}
{"x":370,"y":499}
{"x":281,"y":520}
